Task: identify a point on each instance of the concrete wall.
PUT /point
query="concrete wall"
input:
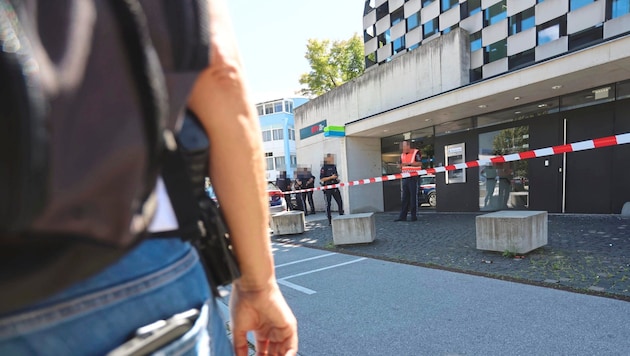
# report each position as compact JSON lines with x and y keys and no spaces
{"x":364,"y":162}
{"x":431,"y":69}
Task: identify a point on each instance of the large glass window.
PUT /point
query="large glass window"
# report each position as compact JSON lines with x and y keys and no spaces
{"x":278,"y":135}
{"x":496,"y":51}
{"x":280,"y":164}
{"x":277,"y":106}
{"x":496,"y":13}
{"x":266,"y":136}
{"x":426,"y":3}
{"x":474,"y":6}
{"x":382,"y":10}
{"x":475,"y":41}
{"x":576,"y":4}
{"x":447,"y":4}
{"x":269,"y":161}
{"x":551,"y":30}
{"x":620,"y":8}
{"x":397,"y":16}
{"x":268,"y":109}
{"x":288,"y":106}
{"x":399,"y":44}
{"x":413,"y":21}
{"x":292,"y":134}
{"x":522,"y":21}
{"x":384,"y":38}
{"x":430,"y":28}
{"x":504,"y":185}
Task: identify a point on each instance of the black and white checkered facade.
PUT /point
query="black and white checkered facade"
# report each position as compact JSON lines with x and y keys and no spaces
{"x":504,"y":34}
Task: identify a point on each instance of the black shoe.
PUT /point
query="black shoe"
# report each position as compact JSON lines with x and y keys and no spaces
{"x":400,"y":219}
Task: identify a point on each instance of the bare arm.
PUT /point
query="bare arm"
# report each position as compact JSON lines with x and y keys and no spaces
{"x":219,"y":98}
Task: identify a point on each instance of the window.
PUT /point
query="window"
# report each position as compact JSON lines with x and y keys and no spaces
{"x":576,"y":4}
{"x":399,"y":44}
{"x":475,"y":41}
{"x":383,"y":39}
{"x":430,"y":28}
{"x":370,"y":60}
{"x":277,"y":106}
{"x":411,"y":48}
{"x":586,"y":37}
{"x":268,"y":154}
{"x":278,"y":135}
{"x":293,"y":161}
{"x":426,"y":3}
{"x":521,"y":59}
{"x":496,"y":51}
{"x":260,"y":110}
{"x":447,"y":4}
{"x":280,"y":165}
{"x":476,"y":74}
{"x":413,"y":21}
{"x":469,"y":8}
{"x":397,"y":16}
{"x":495,"y":13}
{"x":382,"y":11}
{"x":449,"y":29}
{"x":268,"y":109}
{"x":620,"y":8}
{"x":292,"y":134}
{"x":266,"y":135}
{"x":552,"y":30}
{"x":522,"y":21}
{"x":368,"y":33}
{"x":269,"y":161}
{"x":288,"y":107}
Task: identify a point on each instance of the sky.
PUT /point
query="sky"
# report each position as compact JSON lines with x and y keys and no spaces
{"x":272,"y":37}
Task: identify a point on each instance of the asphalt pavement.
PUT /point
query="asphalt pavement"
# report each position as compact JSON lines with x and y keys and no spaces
{"x":585,"y":253}
{"x":422,"y":288}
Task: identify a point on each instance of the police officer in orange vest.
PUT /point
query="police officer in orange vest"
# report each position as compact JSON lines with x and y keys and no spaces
{"x":410,"y":160}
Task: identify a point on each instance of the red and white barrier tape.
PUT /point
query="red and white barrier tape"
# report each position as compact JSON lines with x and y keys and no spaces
{"x":541,"y":152}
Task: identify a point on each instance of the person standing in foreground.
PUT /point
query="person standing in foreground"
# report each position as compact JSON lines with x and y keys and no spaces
{"x":410,"y":160}
{"x":328,"y":176}
{"x":162,"y":277}
{"x":221,"y":101}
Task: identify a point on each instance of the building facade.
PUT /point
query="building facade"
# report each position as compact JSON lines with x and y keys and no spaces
{"x":466,"y":80}
{"x":278,"y":134}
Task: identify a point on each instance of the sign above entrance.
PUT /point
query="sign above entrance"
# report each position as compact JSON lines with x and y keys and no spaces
{"x":312,"y":130}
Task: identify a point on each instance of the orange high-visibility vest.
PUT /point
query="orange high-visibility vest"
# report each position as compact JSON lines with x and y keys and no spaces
{"x":407,"y":158}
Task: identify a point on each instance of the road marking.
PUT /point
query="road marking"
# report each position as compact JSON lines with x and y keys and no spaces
{"x":296,"y":287}
{"x":325,"y":268}
{"x":305,"y":290}
{"x":304,"y":260}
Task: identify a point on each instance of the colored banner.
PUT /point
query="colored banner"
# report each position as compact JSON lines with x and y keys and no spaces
{"x":312,"y":130}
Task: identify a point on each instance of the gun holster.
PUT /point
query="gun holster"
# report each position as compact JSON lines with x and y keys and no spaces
{"x":199,"y":218}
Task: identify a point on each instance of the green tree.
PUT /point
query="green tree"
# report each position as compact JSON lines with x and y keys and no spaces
{"x":332,"y":64}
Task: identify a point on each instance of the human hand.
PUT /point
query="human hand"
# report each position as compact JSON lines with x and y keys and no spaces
{"x":267,"y":314}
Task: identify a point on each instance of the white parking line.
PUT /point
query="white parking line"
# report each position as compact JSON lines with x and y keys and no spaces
{"x":306,"y":259}
{"x":296,"y":287}
{"x":305,"y":290}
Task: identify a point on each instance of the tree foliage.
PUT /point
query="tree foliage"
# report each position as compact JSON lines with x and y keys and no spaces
{"x":332,"y":64}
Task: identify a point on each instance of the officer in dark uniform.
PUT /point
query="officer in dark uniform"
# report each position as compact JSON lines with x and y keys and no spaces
{"x":308,"y":196}
{"x":329,"y":176}
{"x":284,"y":184}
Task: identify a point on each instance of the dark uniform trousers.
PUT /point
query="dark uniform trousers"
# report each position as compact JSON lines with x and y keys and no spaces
{"x":409,"y":198}
{"x":333,"y":193}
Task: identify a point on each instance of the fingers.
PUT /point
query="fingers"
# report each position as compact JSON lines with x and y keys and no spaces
{"x":241,"y":347}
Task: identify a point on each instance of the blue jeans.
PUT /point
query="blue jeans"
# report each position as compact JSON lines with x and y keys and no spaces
{"x":159,"y":278}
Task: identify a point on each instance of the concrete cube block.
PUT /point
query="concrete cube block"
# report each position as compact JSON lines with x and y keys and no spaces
{"x":512,"y":230}
{"x":288,"y":223}
{"x":354,"y":229}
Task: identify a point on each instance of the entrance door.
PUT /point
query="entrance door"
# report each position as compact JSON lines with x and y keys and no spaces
{"x":546,"y":172}
{"x":588,"y":173}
